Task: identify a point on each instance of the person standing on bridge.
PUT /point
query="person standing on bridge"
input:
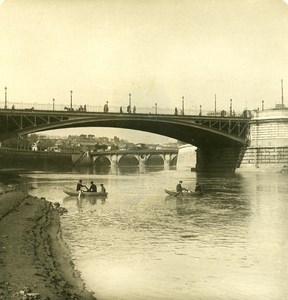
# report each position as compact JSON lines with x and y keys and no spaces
{"x":106,"y":108}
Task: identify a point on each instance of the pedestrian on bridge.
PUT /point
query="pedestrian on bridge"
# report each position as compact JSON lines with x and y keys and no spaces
{"x":106,"y":108}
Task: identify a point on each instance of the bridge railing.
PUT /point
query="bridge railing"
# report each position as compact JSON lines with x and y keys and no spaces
{"x":112,"y":109}
{"x":134,"y":151}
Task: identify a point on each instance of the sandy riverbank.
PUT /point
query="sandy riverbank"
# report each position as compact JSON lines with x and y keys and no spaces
{"x":34,"y":260}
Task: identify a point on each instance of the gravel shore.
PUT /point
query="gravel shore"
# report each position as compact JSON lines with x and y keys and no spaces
{"x":34,"y":261}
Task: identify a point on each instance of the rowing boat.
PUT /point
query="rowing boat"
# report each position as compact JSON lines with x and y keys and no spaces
{"x":72,"y":192}
{"x":183,"y":194}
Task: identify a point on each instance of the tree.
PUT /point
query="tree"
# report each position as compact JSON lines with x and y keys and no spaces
{"x":116,"y":140}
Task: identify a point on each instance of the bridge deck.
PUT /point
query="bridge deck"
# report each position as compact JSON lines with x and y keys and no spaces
{"x":194,"y":129}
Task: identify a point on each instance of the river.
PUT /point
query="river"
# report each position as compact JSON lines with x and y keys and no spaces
{"x":140,"y":243}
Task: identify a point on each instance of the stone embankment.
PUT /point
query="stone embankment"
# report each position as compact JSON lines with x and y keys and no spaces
{"x":35,"y":263}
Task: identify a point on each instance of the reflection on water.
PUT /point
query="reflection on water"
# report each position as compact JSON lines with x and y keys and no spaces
{"x":91,"y":200}
{"x":139,"y":243}
{"x":115,"y":170}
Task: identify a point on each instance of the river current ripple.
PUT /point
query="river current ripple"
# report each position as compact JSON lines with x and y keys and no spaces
{"x":140,"y":243}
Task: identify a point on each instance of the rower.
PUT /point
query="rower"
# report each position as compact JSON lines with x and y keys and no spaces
{"x":80,"y":186}
{"x":179,"y":188}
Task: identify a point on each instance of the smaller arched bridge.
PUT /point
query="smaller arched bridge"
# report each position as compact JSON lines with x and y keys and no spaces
{"x":166,"y":157}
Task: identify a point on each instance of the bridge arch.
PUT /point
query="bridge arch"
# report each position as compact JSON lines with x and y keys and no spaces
{"x":102,"y":160}
{"x":128,"y":159}
{"x":154,"y":159}
{"x":174,"y":160}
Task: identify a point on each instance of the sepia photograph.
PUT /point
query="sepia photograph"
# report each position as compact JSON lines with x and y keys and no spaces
{"x":143,"y":149}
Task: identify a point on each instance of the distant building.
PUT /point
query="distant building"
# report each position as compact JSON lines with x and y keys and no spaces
{"x":53,"y":149}
{"x":171,"y":146}
{"x":141,"y":146}
{"x":34,"y":147}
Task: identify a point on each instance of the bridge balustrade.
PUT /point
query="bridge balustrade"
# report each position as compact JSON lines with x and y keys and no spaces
{"x":112,"y":109}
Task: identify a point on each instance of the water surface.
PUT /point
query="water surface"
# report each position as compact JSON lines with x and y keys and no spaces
{"x":140,"y":243}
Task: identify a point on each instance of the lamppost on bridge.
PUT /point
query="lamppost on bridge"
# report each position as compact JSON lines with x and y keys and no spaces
{"x":71,"y":104}
{"x":230,"y":107}
{"x":262,"y":104}
{"x":53,"y":104}
{"x":215,"y":111}
{"x":156,"y":108}
{"x":282,"y":97}
{"x":200,"y":113}
{"x":130,"y":101}
{"x":182,"y":105}
{"x":5,"y":98}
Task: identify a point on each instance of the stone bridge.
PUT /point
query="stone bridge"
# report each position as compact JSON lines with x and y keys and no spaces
{"x":167,"y":157}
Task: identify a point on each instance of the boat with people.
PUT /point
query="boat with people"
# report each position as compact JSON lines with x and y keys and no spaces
{"x":184,"y":193}
{"x":72,"y":192}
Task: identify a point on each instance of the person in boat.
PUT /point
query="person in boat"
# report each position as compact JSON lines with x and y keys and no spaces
{"x":179,"y":188}
{"x":198,"y":188}
{"x":103,"y":189}
{"x":93,"y":187}
{"x":80,"y":186}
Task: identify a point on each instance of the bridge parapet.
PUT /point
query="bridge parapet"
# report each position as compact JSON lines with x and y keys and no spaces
{"x":17,"y":105}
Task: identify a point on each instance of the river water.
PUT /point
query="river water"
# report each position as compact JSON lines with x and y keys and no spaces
{"x":140,"y":243}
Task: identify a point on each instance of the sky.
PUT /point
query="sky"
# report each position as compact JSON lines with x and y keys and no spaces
{"x":157,"y":50}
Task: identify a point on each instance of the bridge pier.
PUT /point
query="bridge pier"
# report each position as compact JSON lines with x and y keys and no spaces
{"x":142,"y":160}
{"x":268,"y":149}
{"x":218,"y":159}
{"x":167,"y":160}
{"x":113,"y":160}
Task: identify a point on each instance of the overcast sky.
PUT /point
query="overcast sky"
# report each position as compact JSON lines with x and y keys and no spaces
{"x":157,"y":50}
